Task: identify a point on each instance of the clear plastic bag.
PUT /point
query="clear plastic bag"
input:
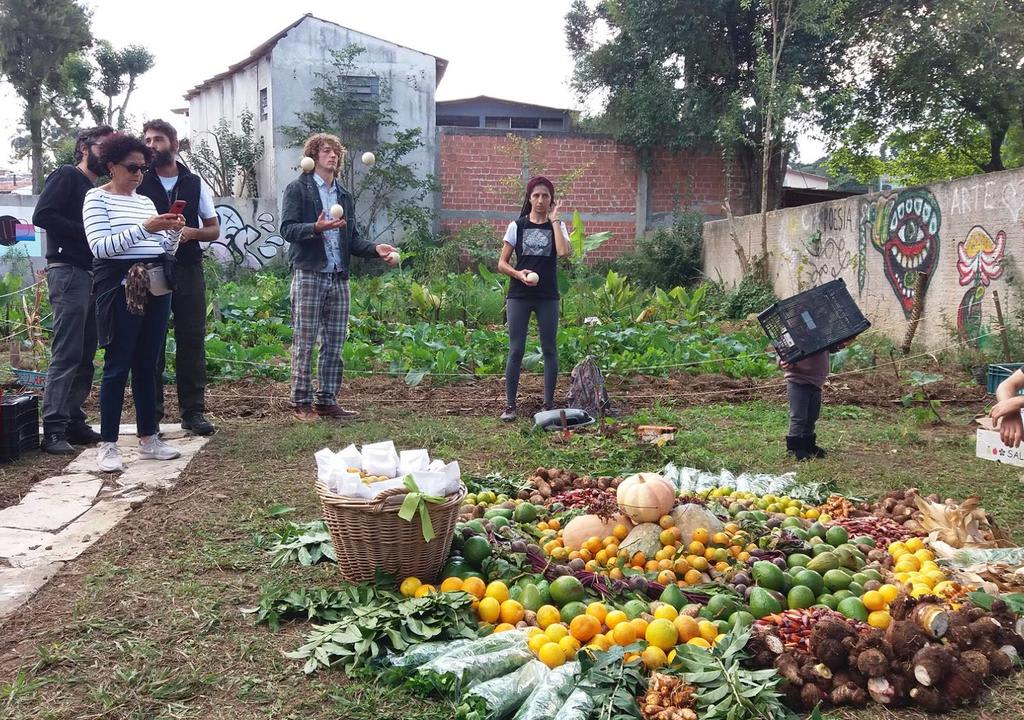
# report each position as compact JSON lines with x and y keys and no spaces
{"x":425,"y":652}
{"x":498,"y":698}
{"x":453,"y":676}
{"x":550,"y":694}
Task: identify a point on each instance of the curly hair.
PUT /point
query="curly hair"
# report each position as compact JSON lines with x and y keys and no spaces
{"x":119,"y":146}
{"x":161,"y":126}
{"x":317,"y":142}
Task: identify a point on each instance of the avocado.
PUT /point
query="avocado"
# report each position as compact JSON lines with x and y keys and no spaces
{"x":762,"y":603}
{"x":767,"y":575}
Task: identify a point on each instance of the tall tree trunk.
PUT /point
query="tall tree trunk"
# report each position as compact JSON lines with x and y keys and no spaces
{"x":35,"y":128}
{"x":996,"y":136}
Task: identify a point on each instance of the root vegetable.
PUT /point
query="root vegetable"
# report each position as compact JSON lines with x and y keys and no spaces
{"x":881,"y":690}
{"x":873,"y":663}
{"x":543,"y":487}
{"x":932,"y":619}
{"x":849,"y":694}
{"x":976,"y":663}
{"x":905,"y":638}
{"x":810,"y":695}
{"x":788,"y":668}
{"x":928,"y":698}
{"x":932,"y":664}
{"x":959,"y":688}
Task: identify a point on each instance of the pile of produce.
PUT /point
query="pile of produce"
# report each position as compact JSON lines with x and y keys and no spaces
{"x":575,"y":596}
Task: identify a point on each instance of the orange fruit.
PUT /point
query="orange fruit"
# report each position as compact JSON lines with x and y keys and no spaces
{"x":512,"y":612}
{"x":873,"y":600}
{"x":551,"y":654}
{"x":666,"y":612}
{"x":699,"y":563}
{"x":692,"y":577}
{"x":547,"y":615}
{"x":638,"y":559}
{"x":662,"y":633}
{"x":584,"y":627}
{"x":620,"y":532}
{"x":593,"y":544}
{"x":614,"y":618}
{"x":570,"y":646}
{"x":639,"y":626}
{"x":699,"y":642}
{"x":475,"y":587}
{"x":696,"y":547}
{"x":489,"y":610}
{"x":701,"y":536}
{"x":504,"y":627}
{"x":623,"y":634}
{"x":686,"y":627}
{"x":497,"y":590}
{"x":598,"y":610}
{"x":452,"y":584}
{"x":889,"y":592}
{"x":879,"y":619}
{"x":554,"y":524}
{"x":708,"y":630}
{"x":424,"y":590}
{"x":653,"y":657}
{"x":556,"y":632}
{"x":409,"y":586}
{"x":666,"y":521}
{"x":537,"y":642}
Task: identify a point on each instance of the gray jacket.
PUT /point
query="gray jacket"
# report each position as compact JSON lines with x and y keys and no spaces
{"x":299,"y":212}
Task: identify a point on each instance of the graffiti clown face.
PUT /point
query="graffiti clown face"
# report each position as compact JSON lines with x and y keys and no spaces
{"x":906,"y":232}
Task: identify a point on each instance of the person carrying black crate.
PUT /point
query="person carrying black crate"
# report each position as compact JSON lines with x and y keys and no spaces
{"x":804,"y":381}
{"x":1006,"y":412}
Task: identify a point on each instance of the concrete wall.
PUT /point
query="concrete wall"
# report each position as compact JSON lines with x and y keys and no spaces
{"x":305,"y":50}
{"x":249,"y":231}
{"x":613,"y":192}
{"x":964,"y":234}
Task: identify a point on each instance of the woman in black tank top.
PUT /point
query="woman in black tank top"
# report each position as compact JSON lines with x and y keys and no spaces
{"x":538,"y":238}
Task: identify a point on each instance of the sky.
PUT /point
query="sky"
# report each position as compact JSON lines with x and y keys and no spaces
{"x":192,"y":40}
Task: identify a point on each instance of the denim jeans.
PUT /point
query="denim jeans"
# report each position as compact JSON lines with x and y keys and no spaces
{"x":136,"y":346}
{"x":69,"y":378}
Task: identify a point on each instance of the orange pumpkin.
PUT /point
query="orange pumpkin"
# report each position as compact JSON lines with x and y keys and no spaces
{"x":584,"y":527}
{"x":645,"y":497}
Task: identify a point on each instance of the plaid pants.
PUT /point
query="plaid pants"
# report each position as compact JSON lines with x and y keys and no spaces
{"x":320,"y":307}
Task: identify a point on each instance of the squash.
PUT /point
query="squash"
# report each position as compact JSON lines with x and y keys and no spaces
{"x":645,"y":497}
{"x":580,"y":529}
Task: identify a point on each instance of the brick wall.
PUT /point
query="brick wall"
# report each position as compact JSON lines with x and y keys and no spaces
{"x":477,"y":165}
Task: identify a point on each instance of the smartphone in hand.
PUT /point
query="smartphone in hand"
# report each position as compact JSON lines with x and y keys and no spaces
{"x":178,"y":207}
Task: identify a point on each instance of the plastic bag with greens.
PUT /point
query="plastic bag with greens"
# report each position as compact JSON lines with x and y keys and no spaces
{"x":425,"y":652}
{"x":577,"y":706}
{"x":453,"y":676}
{"x":550,"y":694}
{"x":498,"y":698}
{"x":484,"y":645}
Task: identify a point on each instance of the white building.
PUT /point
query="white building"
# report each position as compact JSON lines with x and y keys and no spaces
{"x":804,"y":180}
{"x":277,"y":80}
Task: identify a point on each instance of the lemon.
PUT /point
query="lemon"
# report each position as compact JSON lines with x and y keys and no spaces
{"x":551,"y":654}
{"x":409,"y":586}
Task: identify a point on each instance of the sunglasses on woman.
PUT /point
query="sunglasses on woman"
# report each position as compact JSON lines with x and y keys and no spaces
{"x":133,"y":168}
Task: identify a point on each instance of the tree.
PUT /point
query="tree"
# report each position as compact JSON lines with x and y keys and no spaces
{"x":35,"y":38}
{"x":118,"y":71}
{"x":355,"y":105}
{"x":231,"y":161}
{"x":679,"y":74}
{"x":937,"y":81}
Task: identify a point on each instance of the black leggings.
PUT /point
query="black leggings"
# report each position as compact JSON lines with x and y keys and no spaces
{"x":518,"y":311}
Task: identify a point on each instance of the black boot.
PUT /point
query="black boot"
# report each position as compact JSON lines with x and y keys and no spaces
{"x":57,"y":444}
{"x":797,"y":446}
{"x":812,"y":447}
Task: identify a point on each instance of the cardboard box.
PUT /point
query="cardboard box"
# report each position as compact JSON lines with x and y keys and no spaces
{"x":990,"y":447}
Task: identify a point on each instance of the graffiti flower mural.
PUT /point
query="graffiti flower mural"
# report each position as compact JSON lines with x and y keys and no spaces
{"x":979,"y":262}
{"x":905,"y":230}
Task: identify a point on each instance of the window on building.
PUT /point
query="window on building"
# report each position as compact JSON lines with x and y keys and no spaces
{"x":263,"y":104}
{"x":498,"y":122}
{"x":363,"y":88}
{"x":552,"y":124}
{"x":525,"y":123}
{"x":459,"y":120}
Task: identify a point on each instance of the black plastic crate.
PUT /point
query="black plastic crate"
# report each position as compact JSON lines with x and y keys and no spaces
{"x":19,"y":425}
{"x":812,"y":321}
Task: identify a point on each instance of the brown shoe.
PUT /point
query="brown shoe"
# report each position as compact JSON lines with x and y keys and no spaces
{"x":333,"y":411}
{"x":304,"y":413}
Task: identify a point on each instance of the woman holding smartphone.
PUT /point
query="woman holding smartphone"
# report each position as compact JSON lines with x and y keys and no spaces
{"x":537,"y":238}
{"x":133,"y":301}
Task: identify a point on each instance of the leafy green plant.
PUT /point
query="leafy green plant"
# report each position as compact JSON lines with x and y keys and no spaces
{"x":725,"y":689}
{"x":615,"y":296}
{"x":278,"y":604}
{"x":669,"y":256}
{"x":379,"y":620}
{"x":613,"y":685}
{"x":919,"y":382}
{"x":304,"y":543}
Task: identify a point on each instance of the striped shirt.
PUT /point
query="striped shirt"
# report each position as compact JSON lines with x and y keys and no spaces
{"x":113,"y":226}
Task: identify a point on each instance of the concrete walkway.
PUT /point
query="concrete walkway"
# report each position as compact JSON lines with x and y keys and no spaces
{"x":63,"y":515}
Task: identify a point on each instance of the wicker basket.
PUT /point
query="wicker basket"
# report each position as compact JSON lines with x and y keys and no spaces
{"x":368,"y":534}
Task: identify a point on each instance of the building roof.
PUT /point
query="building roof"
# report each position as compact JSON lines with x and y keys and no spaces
{"x":445,"y":103}
{"x":805,"y":174}
{"x":268,"y":45}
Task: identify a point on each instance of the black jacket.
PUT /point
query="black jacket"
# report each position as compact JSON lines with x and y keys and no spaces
{"x":59,"y":213}
{"x":299,"y":212}
{"x":188,"y":188}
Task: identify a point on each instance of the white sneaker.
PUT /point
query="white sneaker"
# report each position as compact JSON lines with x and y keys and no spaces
{"x":153,"y":448}
{"x":109,"y":457}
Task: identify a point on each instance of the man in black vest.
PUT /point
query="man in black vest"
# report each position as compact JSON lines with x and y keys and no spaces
{"x":166,"y":181}
{"x":69,"y":278}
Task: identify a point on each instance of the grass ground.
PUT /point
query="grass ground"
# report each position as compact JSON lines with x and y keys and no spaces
{"x":148,"y":623}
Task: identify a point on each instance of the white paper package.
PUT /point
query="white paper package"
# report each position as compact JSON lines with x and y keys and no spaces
{"x":432,"y":477}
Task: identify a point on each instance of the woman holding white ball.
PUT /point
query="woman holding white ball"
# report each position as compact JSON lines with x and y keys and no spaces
{"x":538,"y":238}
